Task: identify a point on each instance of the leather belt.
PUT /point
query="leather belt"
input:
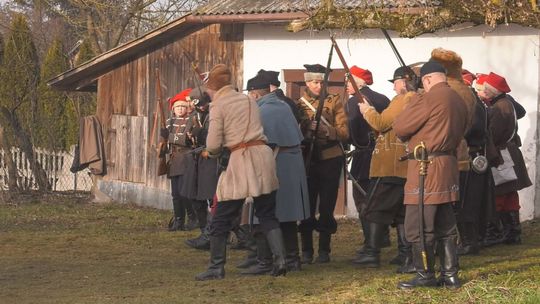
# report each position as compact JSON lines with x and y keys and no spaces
{"x":285,"y":149}
{"x":431,"y":155}
{"x":247,"y":144}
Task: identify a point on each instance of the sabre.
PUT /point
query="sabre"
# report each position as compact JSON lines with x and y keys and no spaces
{"x":420,"y":155}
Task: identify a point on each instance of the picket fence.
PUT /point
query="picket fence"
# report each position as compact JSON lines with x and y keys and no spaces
{"x":56,"y":166}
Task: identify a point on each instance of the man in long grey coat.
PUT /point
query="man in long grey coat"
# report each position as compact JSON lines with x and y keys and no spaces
{"x":292,"y":198}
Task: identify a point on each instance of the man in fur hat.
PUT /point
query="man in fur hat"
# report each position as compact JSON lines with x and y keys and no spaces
{"x":326,"y":164}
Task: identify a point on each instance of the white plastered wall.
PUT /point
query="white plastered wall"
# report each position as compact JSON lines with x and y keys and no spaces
{"x":508,"y":50}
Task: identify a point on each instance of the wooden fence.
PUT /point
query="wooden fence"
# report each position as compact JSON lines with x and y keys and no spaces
{"x":56,"y":166}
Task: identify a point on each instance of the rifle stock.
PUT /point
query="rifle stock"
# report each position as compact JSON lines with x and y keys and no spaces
{"x":162,"y":159}
{"x":361,"y":98}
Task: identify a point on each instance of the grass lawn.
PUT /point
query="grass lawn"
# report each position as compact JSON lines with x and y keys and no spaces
{"x":60,"y":249}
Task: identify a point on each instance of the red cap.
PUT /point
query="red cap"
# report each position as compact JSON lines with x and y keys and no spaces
{"x":363,"y":74}
{"x":481,"y":78}
{"x":498,"y":82}
{"x":182,"y":96}
{"x":467,"y":76}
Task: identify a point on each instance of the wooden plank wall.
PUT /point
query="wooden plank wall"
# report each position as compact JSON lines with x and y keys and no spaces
{"x":130,"y":90}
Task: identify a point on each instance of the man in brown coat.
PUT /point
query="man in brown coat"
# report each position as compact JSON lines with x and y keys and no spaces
{"x":387,"y":174}
{"x":437,"y":118}
{"x":326,"y":164}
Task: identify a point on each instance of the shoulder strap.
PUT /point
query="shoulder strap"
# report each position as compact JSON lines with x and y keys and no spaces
{"x":312,"y":108}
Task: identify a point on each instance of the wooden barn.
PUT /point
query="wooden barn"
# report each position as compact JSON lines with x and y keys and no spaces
{"x":252,"y":35}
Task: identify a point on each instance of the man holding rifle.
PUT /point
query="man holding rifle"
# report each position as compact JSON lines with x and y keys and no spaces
{"x":326,"y":163}
{"x":434,"y":122}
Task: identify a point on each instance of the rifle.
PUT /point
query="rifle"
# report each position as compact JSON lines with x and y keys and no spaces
{"x":412,"y":76}
{"x":162,"y":162}
{"x":195,"y":67}
{"x":318,"y":114}
{"x":361,"y":98}
{"x":420,"y":154}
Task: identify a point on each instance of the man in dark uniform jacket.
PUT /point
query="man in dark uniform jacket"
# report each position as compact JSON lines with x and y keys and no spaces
{"x":326,"y":164}
{"x":438,"y":118}
{"x":272,"y":78}
{"x":362,"y":136}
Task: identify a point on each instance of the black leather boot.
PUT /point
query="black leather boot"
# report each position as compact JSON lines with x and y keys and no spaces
{"x":385,"y":241}
{"x":251,"y":256}
{"x":264,"y":263}
{"x":403,"y":246}
{"x":469,"y":239}
{"x":365,"y":232}
{"x":307,"y":247}
{"x":176,"y":224}
{"x":202,"y":242}
{"x":192,"y":221}
{"x":290,"y":238}
{"x":218,"y":253}
{"x":371,"y":255}
{"x":324,"y":248}
{"x":244,"y":238}
{"x":423,"y":278}
{"x":493,"y":234}
{"x":512,"y":228}
{"x":275,"y":241}
{"x":449,"y":263}
{"x":405,"y":252}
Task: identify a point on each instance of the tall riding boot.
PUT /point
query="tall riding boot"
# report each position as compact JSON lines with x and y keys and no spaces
{"x":201,"y":242}
{"x":449,"y":263}
{"x":365,"y":232}
{"x":513,"y":232}
{"x":177,"y":223}
{"x":493,"y":234}
{"x":324,"y":248}
{"x":200,"y":207}
{"x":469,"y":239}
{"x":192,"y":221}
{"x":250,"y":245}
{"x":401,"y":246}
{"x":244,"y":238}
{"x":275,"y":241}
{"x":264,"y":258}
{"x":218,"y":253}
{"x":307,"y":246}
{"x":405,"y":250}
{"x":290,"y":238}
{"x":370,"y":256}
{"x":423,"y":278}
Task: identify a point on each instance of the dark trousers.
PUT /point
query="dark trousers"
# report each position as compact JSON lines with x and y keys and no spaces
{"x":439,"y":222}
{"x":473,"y":188}
{"x":323,"y":184}
{"x":386,"y":205}
{"x":227,"y":211}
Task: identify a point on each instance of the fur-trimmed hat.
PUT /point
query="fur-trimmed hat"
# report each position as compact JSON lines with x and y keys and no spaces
{"x":314,"y":72}
{"x":180,"y":99}
{"x":220,"y":75}
{"x":451,"y":61}
{"x":365,"y":75}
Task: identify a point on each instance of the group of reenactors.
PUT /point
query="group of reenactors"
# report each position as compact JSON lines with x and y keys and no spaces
{"x":440,"y":162}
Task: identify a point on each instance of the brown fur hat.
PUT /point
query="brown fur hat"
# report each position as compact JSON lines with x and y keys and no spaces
{"x":219,"y":76}
{"x":450,"y":60}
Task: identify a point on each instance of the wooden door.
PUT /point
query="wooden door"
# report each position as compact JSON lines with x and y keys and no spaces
{"x":295,"y":88}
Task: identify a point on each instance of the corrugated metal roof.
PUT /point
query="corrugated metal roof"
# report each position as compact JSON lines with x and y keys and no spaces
{"x":238,"y":7}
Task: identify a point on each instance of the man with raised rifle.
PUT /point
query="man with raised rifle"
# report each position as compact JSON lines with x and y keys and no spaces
{"x":362,"y":138}
{"x":326,"y":164}
{"x":388,"y":174}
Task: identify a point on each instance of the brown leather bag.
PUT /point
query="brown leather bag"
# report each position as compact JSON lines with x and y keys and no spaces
{"x":163,"y":164}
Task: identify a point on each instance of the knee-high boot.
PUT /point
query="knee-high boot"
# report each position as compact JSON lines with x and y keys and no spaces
{"x":324,"y":247}
{"x":449,"y":262}
{"x":370,"y":256}
{"x":201,"y":242}
{"x":402,"y":245}
{"x":424,"y":277}
{"x":512,"y":228}
{"x":177,"y":222}
{"x":264,"y":257}
{"x":405,"y":250}
{"x":192,"y":221}
{"x":469,"y":239}
{"x":218,"y":253}
{"x":290,"y":238}
{"x":275,"y":241}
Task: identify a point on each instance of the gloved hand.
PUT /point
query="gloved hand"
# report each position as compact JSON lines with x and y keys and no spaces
{"x":164,"y":132}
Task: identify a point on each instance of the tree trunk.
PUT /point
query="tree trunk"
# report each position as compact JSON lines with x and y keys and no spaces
{"x":12,"y":175}
{"x":26,"y":146}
